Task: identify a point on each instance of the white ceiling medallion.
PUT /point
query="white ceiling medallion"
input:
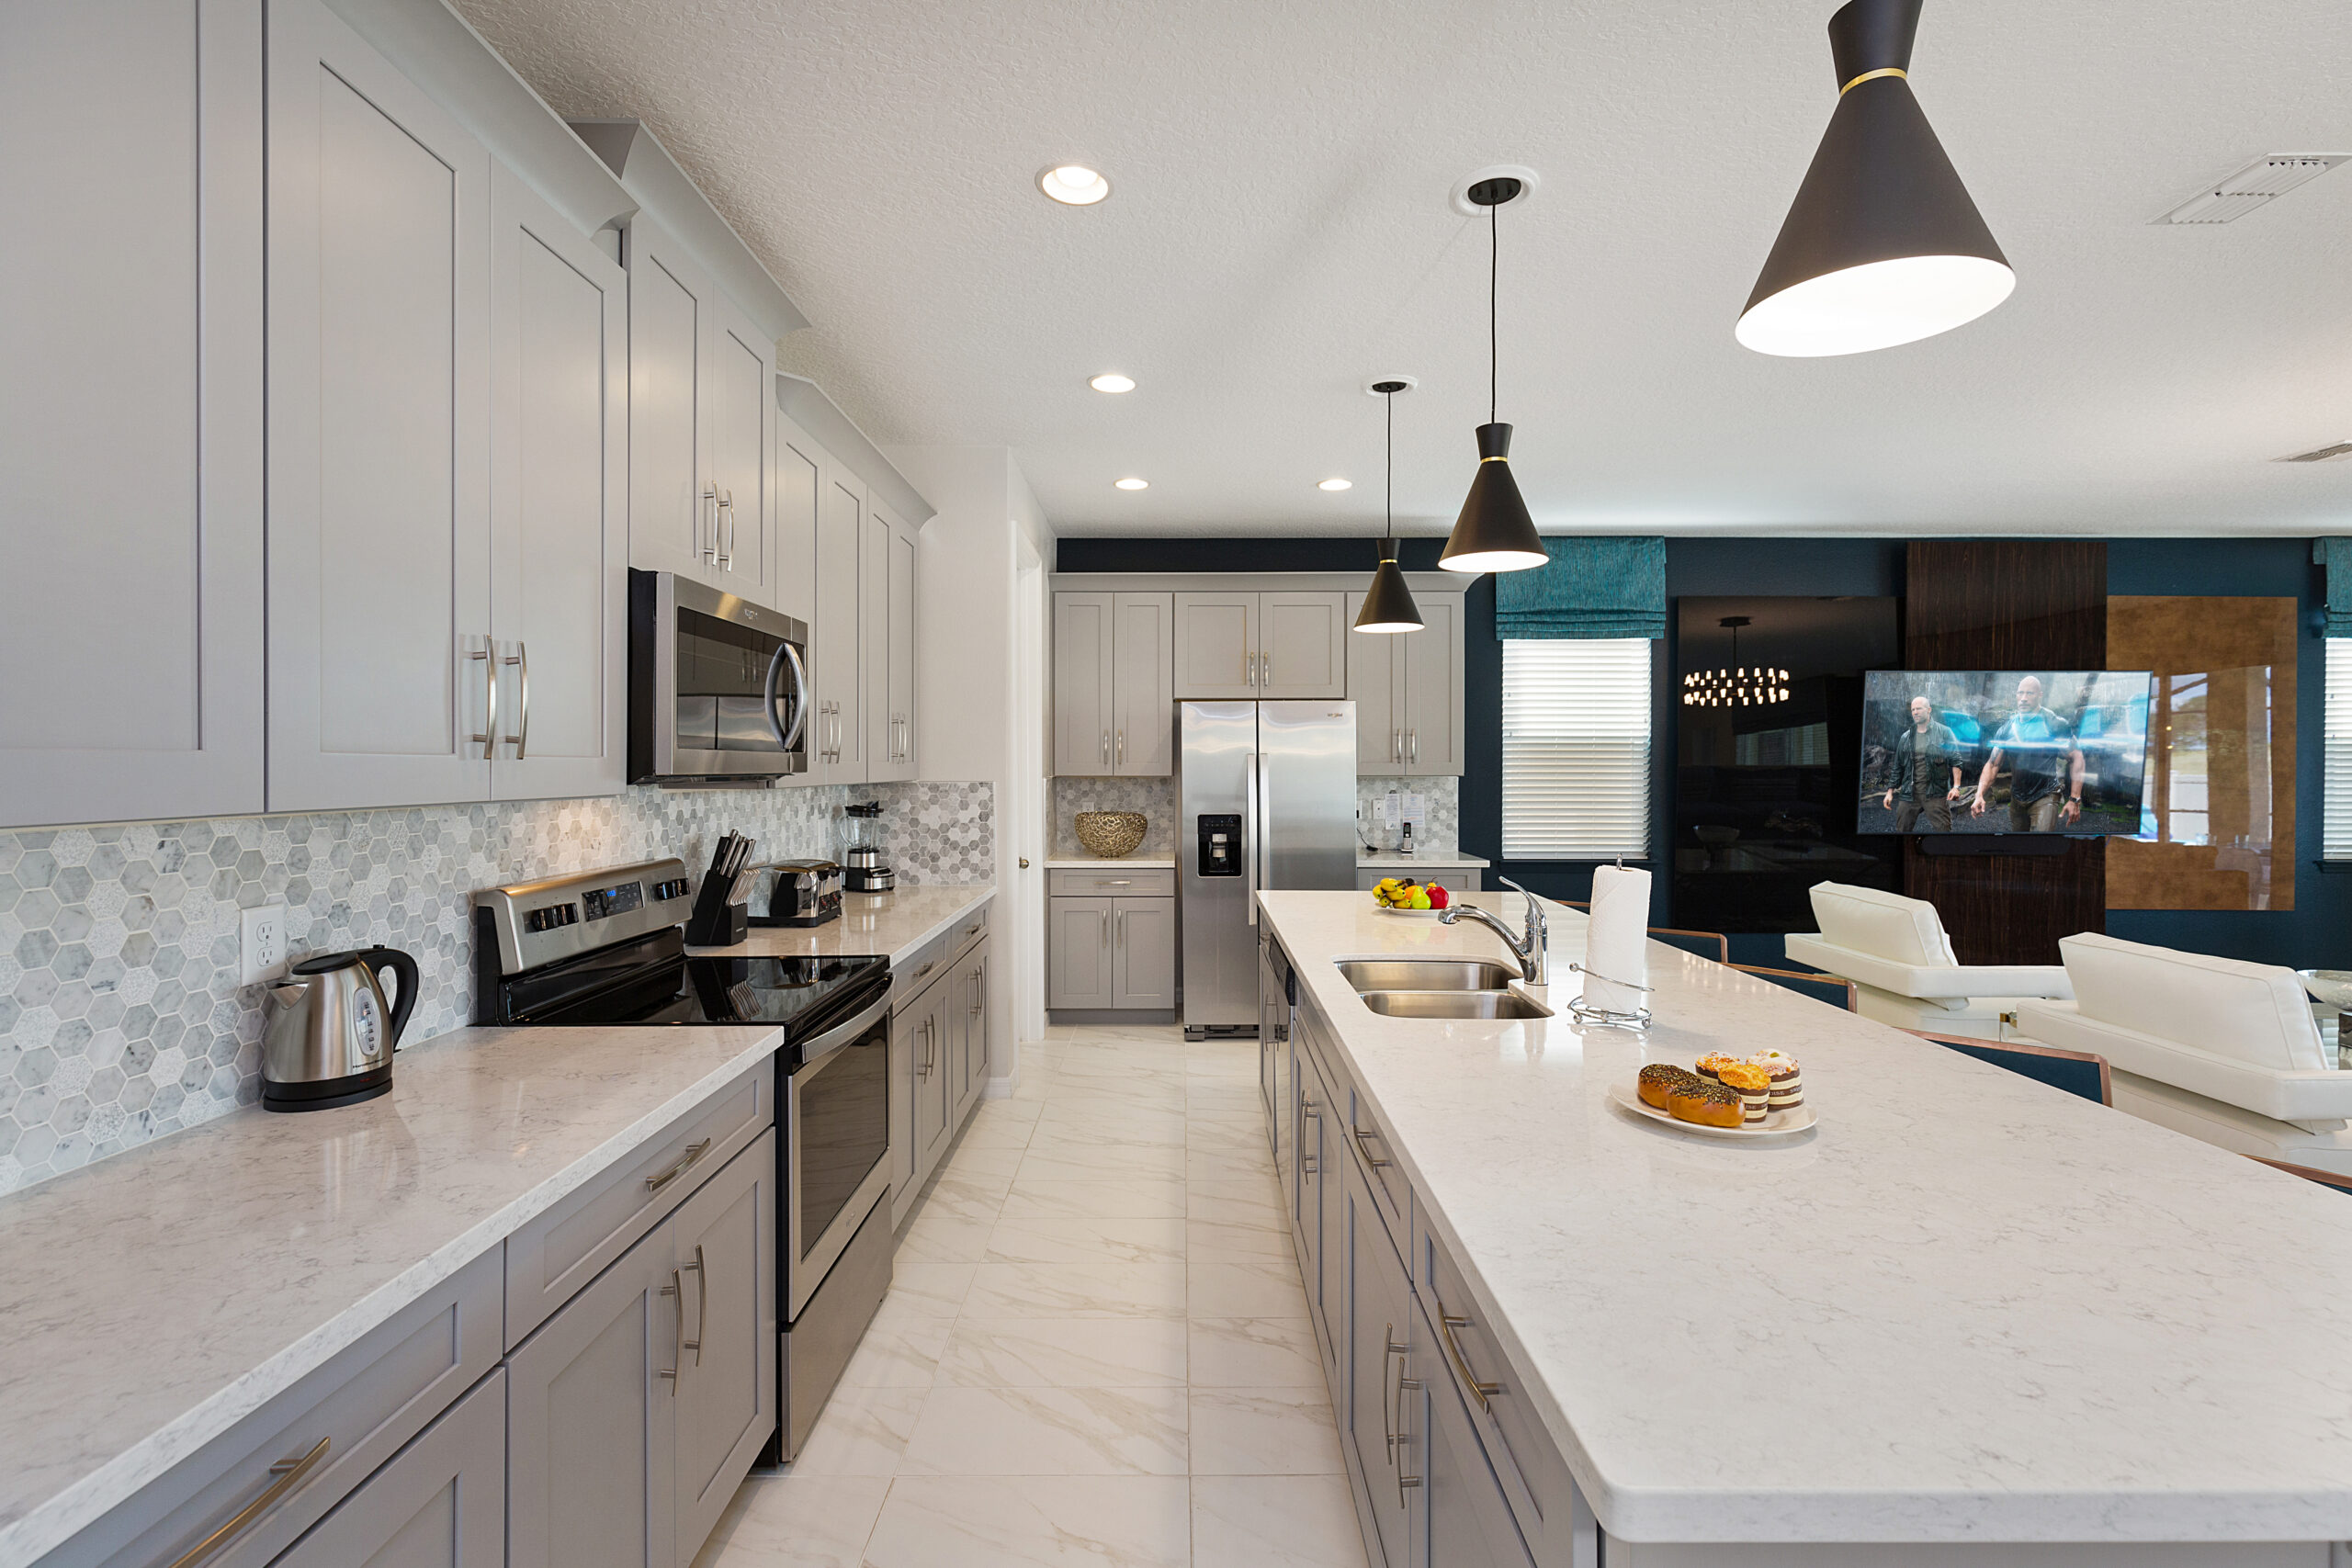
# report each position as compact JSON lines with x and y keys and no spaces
{"x":1371,"y":384}
{"x":1527,"y":181}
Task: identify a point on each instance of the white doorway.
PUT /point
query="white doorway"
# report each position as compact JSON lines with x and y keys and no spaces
{"x":1028,"y":804}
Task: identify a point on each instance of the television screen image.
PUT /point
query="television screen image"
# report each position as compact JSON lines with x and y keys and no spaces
{"x":2004,"y":752}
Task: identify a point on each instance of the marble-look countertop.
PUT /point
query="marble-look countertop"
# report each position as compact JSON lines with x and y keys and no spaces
{"x":893,"y":925}
{"x":152,"y":1300}
{"x":1964,"y":1307}
{"x":1096,"y":863}
{"x":1448,"y":859}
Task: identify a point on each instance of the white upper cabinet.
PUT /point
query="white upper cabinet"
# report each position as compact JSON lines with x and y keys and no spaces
{"x":742,"y":401}
{"x":900,"y":676}
{"x":380,"y":657}
{"x":1407,"y":690}
{"x":131,"y":457}
{"x":837,"y":659}
{"x":559,"y":518}
{"x":800,"y":499}
{"x":1260,"y":644}
{"x":674,"y":526}
{"x":1144,"y":674}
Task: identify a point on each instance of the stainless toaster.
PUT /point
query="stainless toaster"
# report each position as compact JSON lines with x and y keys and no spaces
{"x":796,"y":892}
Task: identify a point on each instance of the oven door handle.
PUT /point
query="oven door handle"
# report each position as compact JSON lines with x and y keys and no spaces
{"x":826,"y":1045}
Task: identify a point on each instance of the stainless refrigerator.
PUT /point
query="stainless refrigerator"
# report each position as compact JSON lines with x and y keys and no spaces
{"x":1269,"y":800}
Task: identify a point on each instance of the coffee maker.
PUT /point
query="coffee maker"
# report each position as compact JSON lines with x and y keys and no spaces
{"x":861,"y":852}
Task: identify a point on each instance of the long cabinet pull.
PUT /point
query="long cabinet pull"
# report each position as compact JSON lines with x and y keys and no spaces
{"x":1396,"y":745}
{"x":1365,"y":1149}
{"x":488,"y":739}
{"x":695,"y":1151}
{"x":727,"y":510}
{"x":1308,"y":1165}
{"x":1413,"y":746}
{"x":676,"y":1288}
{"x":1120,"y":758}
{"x":1447,"y":1323}
{"x":701,"y":1304}
{"x":287,"y":1474}
{"x":521,"y":740}
{"x":709,"y":509}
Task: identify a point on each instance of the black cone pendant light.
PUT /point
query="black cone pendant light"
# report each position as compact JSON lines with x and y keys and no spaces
{"x":1494,"y":532}
{"x":1388,"y":605}
{"x":1882,"y":245}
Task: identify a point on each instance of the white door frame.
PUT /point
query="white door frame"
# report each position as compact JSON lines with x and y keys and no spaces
{"x":1028,"y":805}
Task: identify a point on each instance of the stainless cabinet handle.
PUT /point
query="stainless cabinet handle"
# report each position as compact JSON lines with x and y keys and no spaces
{"x":1106,"y":745}
{"x":1412,"y":745}
{"x":727,"y":510}
{"x":1120,"y":921}
{"x":1369,"y":1157}
{"x":710,"y":510}
{"x":1396,"y":745}
{"x":289,"y":1474}
{"x":694,"y":1152}
{"x":1447,"y":1323}
{"x":926,"y":968}
{"x":676,"y":1287}
{"x":1115,"y":882}
{"x":521,"y":738}
{"x":1121,"y":758}
{"x":1265,"y":670}
{"x":701,"y":1304}
{"x":488,"y":739}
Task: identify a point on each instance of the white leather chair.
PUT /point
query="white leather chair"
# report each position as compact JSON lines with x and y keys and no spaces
{"x":2224,"y":1051}
{"x":1903,"y":970}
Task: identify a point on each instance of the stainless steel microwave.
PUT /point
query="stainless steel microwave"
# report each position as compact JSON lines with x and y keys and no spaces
{"x":717,"y":685}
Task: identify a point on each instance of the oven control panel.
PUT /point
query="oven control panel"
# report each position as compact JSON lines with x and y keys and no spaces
{"x":563,"y":917}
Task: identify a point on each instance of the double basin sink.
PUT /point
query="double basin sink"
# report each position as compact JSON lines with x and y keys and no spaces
{"x":1440,"y":987}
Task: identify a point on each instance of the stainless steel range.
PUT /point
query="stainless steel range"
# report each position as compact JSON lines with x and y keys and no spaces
{"x":607,"y":948}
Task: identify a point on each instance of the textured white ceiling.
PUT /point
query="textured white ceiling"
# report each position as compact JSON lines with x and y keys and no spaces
{"x":1279,"y":231}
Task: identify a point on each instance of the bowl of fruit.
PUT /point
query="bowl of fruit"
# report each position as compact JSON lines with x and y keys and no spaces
{"x":1403,"y":895}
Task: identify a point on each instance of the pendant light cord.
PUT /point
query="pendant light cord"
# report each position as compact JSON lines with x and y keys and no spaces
{"x":1388,"y":542}
{"x":1494,"y":272}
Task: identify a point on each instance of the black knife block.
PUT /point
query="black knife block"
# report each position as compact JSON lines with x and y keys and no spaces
{"x":716,"y":922}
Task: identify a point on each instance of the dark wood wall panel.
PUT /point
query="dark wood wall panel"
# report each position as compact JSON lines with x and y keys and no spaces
{"x":2009,"y":604}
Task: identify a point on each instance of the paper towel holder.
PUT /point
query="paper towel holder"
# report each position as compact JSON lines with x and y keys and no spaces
{"x":1609,"y":1017}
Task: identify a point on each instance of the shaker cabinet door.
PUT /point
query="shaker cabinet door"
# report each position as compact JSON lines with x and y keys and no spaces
{"x":1216,"y":646}
{"x":380,"y":664}
{"x":592,"y":1413}
{"x":1078,"y":953}
{"x":439,"y":1503}
{"x":902,"y":653}
{"x":130,"y":460}
{"x":740,"y":398}
{"x":1432,"y":680}
{"x":725,"y":1249}
{"x":559,"y":528}
{"x":1302,"y":645}
{"x":1144,"y":683}
{"x":800,"y":499}
{"x":1376,"y":684}
{"x":1385,"y":1355}
{"x":1085,"y":697}
{"x":671,"y":525}
{"x":1143,"y":953}
{"x":837,"y":662}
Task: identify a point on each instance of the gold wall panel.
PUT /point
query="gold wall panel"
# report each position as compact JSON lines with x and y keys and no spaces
{"x":2220,"y":753}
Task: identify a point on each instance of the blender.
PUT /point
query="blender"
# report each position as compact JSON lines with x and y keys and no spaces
{"x":861,"y":854}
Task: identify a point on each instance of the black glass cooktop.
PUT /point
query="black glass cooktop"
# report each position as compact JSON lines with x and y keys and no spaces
{"x":652,"y":982}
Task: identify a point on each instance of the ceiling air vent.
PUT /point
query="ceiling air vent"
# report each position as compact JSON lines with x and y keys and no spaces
{"x":2336,"y":453}
{"x":2253,"y":187}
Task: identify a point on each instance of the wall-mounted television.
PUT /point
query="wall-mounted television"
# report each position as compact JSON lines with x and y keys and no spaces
{"x":2004,"y":752}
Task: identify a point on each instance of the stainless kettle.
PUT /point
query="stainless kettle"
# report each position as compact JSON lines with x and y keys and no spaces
{"x":331,"y":1033}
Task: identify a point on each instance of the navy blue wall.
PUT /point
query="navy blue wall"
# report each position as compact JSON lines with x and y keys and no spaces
{"x":2312,"y":934}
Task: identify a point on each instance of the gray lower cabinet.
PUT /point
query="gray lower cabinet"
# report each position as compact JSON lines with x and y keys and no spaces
{"x":441,"y":1502}
{"x":1321,"y":1233}
{"x":968,"y":1028}
{"x":938,"y":1058}
{"x":1108,"y":951}
{"x":933,"y":1076}
{"x":1078,"y":953}
{"x":623,"y":1448}
{"x":1143,"y":953}
{"x":1466,"y":1521}
{"x":1387,"y":1364}
{"x":131,"y":461}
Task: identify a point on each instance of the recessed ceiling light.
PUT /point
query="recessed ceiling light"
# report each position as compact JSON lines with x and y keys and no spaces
{"x":1337,"y":484}
{"x":1073,"y":184}
{"x":1112,"y":381}
{"x":1131,"y":484}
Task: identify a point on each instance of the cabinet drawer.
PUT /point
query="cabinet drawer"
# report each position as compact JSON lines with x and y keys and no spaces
{"x":1386,"y":1177}
{"x":1534,"y":1478}
{"x":912,"y":978}
{"x":441,"y":1504}
{"x":552,"y":1257}
{"x":969,"y":929}
{"x":353,"y":1412}
{"x":1140,"y":883}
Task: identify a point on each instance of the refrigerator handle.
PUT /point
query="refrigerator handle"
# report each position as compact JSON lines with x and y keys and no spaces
{"x":1249,"y":826}
{"x":1265,"y":823}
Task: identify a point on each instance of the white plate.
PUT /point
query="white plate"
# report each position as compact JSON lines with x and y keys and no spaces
{"x":1775,"y":1123}
{"x":1407,"y":914}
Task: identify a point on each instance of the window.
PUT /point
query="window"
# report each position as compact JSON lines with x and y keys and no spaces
{"x":1575,"y":749}
{"x":2336,"y":806}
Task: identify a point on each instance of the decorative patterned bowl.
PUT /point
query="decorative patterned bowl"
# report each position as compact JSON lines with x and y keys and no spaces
{"x":1111,"y":833}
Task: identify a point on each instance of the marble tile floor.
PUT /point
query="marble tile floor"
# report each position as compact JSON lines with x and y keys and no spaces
{"x":1095,"y":1351}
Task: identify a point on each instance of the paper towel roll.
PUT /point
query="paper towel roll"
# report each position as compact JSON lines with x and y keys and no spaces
{"x":1617,"y":943}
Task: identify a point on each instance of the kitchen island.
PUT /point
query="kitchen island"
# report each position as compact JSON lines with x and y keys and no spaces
{"x":1965,"y":1312}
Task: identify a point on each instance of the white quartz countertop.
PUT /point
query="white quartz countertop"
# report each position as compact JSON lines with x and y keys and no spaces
{"x":1964,"y":1307}
{"x":1097,"y":863}
{"x":152,"y":1299}
{"x":893,"y":925}
{"x":1448,"y":860}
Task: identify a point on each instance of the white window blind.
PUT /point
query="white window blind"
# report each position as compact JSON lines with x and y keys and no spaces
{"x":1576,"y":748}
{"x":2336,"y":809}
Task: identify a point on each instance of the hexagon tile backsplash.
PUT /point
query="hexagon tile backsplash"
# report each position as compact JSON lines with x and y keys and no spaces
{"x":121,"y":1015}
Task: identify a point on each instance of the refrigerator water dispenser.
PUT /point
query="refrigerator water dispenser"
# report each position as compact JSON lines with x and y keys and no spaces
{"x":1220,"y":844}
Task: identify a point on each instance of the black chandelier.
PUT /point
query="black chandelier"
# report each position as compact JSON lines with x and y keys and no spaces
{"x":1735,"y":685}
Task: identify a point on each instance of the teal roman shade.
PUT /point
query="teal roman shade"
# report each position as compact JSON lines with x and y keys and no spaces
{"x":1594,"y":588}
{"x":2335,"y":554}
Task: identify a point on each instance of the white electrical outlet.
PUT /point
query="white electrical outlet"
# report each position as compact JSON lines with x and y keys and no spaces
{"x":264,"y":944}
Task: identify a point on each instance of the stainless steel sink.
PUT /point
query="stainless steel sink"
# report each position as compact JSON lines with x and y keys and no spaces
{"x":1453,"y":1004}
{"x":1427,"y":975}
